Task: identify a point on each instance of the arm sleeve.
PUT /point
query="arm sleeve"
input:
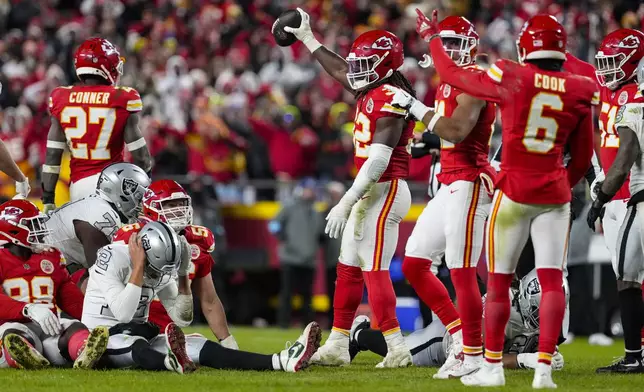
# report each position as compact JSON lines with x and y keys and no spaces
{"x":482,"y":85}
{"x":581,"y":148}
{"x":10,"y":309}
{"x":370,"y":172}
{"x":178,"y":306}
{"x":122,"y":299}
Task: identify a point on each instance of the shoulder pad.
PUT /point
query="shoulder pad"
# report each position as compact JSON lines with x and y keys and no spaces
{"x":201,"y":237}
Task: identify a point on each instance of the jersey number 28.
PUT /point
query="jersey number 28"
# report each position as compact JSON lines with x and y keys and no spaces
{"x":80,"y":120}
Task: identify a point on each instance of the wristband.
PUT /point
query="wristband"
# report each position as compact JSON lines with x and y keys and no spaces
{"x":433,"y":121}
{"x":418,"y":110}
{"x":312,"y":44}
{"x":48,"y":197}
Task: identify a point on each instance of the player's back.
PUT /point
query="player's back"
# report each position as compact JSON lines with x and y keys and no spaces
{"x":93,"y":118}
{"x":540,"y":112}
{"x":91,"y":209}
{"x":371,"y":107}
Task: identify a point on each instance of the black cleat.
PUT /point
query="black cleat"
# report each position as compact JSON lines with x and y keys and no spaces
{"x":359,"y":323}
{"x":623,"y":365}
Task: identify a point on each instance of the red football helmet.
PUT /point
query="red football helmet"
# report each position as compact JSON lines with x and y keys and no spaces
{"x":97,"y":56}
{"x":374,"y":55}
{"x":617,"y":57}
{"x":21,"y":223}
{"x":167,"y":201}
{"x":459,"y":38}
{"x":542,"y":37}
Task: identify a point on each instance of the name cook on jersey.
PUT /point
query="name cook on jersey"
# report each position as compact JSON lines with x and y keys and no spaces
{"x":550,"y":83}
{"x":100,"y":98}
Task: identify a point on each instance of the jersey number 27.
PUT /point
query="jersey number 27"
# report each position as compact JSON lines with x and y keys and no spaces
{"x":80,"y":121}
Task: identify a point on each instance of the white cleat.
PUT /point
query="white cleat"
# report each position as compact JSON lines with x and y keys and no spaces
{"x":454,"y":358}
{"x":334,"y":352}
{"x":297,"y":356}
{"x":486,"y":376}
{"x":396,"y":358}
{"x":465,"y":368}
{"x":543,"y":378}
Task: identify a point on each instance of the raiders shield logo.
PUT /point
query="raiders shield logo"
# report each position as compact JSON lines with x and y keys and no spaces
{"x":533,"y":287}
{"x":145,"y":242}
{"x":129,"y":186}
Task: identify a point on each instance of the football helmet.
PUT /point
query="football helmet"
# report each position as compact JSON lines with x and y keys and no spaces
{"x":459,"y":39}
{"x":21,"y":223}
{"x":542,"y":37}
{"x":123,"y":185}
{"x":530,"y":299}
{"x":97,"y":56}
{"x":162,"y":251}
{"x":374,"y":55}
{"x":167,"y":201}
{"x":617,"y":57}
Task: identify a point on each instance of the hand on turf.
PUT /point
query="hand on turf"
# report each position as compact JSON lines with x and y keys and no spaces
{"x":557,"y":361}
{"x":186,"y":256}
{"x":425,"y":27}
{"x":337,"y":219}
{"x":597,"y":185}
{"x":596,"y":212}
{"x":22,"y":189}
{"x":304,"y":32}
{"x":42,"y":315}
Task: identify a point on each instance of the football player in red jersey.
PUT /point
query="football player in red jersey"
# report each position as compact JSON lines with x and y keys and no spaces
{"x":34,"y":282}
{"x":453,"y":223}
{"x":94,"y":119}
{"x":369,"y":213}
{"x":617,"y":60}
{"x":543,"y":109}
{"x":168,"y":202}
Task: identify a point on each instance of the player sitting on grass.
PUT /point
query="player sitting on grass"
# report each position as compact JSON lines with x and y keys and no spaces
{"x":429,"y":346}
{"x":34,"y":282}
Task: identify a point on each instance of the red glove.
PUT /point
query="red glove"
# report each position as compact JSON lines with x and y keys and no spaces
{"x":425,"y":27}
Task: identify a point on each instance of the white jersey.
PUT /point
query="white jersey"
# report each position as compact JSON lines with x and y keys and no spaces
{"x":631,"y":116}
{"x":91,"y":209}
{"x":108,"y":277}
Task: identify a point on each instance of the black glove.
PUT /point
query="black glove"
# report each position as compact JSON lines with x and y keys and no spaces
{"x":596,"y":212}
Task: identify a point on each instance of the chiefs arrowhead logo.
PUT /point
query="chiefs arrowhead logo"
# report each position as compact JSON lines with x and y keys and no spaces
{"x":630,"y":42}
{"x":383,"y":43}
{"x":10,"y":213}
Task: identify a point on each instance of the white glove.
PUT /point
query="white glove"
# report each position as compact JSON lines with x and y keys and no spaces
{"x":22,"y":189}
{"x":186,"y":256}
{"x":404,"y":100}
{"x":230,"y":343}
{"x":47,"y":208}
{"x":337,"y":219}
{"x":596,"y":185}
{"x":304,"y":32}
{"x":42,"y":315}
{"x":557,"y":361}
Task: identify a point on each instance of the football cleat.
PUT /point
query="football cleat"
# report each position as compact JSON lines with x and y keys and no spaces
{"x":623,"y":365}
{"x":297,"y":356}
{"x":463,"y":368}
{"x":454,"y":358}
{"x":486,"y":376}
{"x":359,"y":323}
{"x":23,"y":354}
{"x":177,"y":359}
{"x":334,"y":352}
{"x":93,"y":349}
{"x":543,"y":377}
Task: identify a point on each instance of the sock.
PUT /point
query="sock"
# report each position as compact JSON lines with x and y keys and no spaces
{"x":470,"y":308}
{"x":145,"y":357}
{"x":431,"y":291}
{"x":642,"y":343}
{"x":76,"y":343}
{"x":630,"y":305}
{"x":372,"y":340}
{"x":216,"y":356}
{"x":551,"y":312}
{"x":382,"y":300}
{"x":497,"y":315}
{"x":349,"y":287}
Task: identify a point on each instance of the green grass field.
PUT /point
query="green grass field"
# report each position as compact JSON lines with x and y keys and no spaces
{"x":578,"y":374}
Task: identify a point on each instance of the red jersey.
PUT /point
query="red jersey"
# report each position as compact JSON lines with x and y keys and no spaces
{"x":467,"y":159}
{"x":40,"y":279}
{"x":202,"y":243}
{"x":376,"y":104}
{"x":611,"y":102}
{"x":93,"y":119}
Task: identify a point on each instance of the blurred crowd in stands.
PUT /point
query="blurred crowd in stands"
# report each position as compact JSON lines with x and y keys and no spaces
{"x":223,"y":103}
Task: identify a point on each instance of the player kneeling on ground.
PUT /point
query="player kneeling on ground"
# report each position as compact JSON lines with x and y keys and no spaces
{"x":430,"y":346}
{"x":34,"y":281}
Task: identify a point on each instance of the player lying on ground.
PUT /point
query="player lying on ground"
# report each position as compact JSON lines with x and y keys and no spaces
{"x":453,"y":223}
{"x":123,"y":283}
{"x":166,"y":201}
{"x":94,"y":119}
{"x":369,"y":214}
{"x":34,"y":282}
{"x":629,"y":123}
{"x":536,"y":97}
{"x":430,"y":346}
{"x":79,"y":228}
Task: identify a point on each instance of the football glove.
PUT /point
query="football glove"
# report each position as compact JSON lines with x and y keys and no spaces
{"x":22,"y":189}
{"x":47,"y":208}
{"x":425,"y":27}
{"x":229,"y":342}
{"x":597,"y":185}
{"x":186,"y":256}
{"x":304,"y":32}
{"x":557,"y":361}
{"x":596,"y":212}
{"x":42,"y":315}
{"x":337,"y":219}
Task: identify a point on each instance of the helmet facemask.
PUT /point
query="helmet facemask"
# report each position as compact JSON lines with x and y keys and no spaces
{"x":609,"y":69}
{"x":458,"y":47}
{"x":176,"y":211}
{"x":362,"y":70}
{"x":38,"y":231}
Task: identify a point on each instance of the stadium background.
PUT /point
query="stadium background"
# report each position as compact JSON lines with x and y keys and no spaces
{"x":240,"y":121}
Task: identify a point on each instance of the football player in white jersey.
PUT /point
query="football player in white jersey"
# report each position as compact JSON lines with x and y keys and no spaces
{"x":629,"y":123}
{"x":80,"y":228}
{"x":123,"y":283}
{"x":429,"y":346}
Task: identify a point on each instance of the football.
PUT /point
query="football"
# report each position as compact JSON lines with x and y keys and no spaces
{"x":290,"y":18}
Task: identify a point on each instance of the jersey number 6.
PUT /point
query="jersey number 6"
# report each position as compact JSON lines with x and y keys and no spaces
{"x":545,"y":142}
{"x":106,"y":117}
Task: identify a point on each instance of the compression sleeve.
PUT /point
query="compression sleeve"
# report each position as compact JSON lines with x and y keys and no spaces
{"x":370,"y":172}
{"x":122,"y":300}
